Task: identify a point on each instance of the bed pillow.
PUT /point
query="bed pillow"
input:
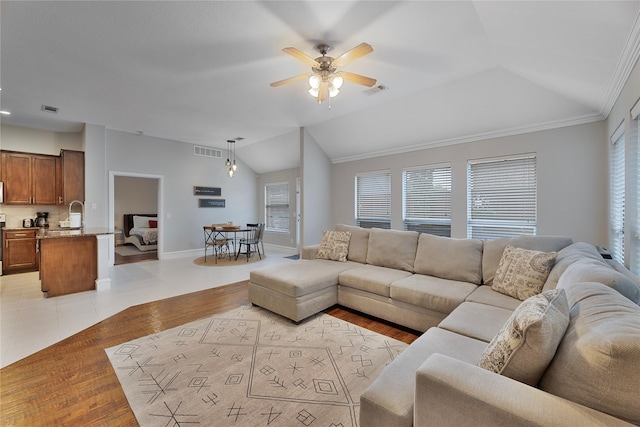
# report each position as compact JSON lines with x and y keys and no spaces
{"x":153,"y":223}
{"x":527,"y":343}
{"x":522,"y":272}
{"x":142,"y":221}
{"x":334,"y":245}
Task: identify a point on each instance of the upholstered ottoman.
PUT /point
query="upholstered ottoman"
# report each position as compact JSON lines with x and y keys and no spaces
{"x":299,"y":289}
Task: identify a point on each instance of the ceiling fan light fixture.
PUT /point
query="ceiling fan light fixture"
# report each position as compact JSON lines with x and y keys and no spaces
{"x":314,"y":81}
{"x":337,"y":81}
{"x":333,"y":91}
{"x":314,"y":92}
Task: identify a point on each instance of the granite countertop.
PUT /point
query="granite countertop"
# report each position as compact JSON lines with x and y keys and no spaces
{"x":53,"y":233}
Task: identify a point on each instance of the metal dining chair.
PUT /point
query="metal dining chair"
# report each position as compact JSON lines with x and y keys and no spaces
{"x":219,"y":243}
{"x":253,"y":240}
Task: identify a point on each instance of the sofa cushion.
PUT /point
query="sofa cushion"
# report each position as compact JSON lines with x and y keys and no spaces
{"x":566,"y":257}
{"x":522,"y":272}
{"x":433,"y":293}
{"x":528,"y":341}
{"x":492,"y":250}
{"x":371,"y":278}
{"x":485,"y":295}
{"x":334,"y":245}
{"x":597,"y":364}
{"x":358,"y":243}
{"x":589,"y":270}
{"x":448,"y":258}
{"x":475,"y":320}
{"x":301,"y":277}
{"x":392,"y":248}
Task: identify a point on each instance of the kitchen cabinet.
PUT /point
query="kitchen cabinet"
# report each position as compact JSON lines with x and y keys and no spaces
{"x":29,"y":179}
{"x":19,"y":251}
{"x":70,"y":182}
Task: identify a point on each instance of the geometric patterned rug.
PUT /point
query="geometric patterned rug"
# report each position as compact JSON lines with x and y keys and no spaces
{"x":251,"y":367}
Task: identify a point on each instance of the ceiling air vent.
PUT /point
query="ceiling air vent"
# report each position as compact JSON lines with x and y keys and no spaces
{"x":49,"y":109}
{"x":375,"y":89}
{"x":207,"y":152}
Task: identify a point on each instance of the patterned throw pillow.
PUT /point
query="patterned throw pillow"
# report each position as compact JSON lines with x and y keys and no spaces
{"x":334,"y":245}
{"x":527,"y":343}
{"x":522,"y":272}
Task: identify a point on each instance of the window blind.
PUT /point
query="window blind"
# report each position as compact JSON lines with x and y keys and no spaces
{"x":427,"y":200}
{"x":276,"y":202}
{"x":635,"y":243}
{"x":617,"y":197}
{"x":502,"y":197}
{"x":373,"y":199}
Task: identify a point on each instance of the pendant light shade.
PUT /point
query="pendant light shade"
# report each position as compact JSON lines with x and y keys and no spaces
{"x":231,"y":158}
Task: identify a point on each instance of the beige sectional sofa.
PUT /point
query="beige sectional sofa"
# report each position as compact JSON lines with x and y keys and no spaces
{"x":444,"y":287}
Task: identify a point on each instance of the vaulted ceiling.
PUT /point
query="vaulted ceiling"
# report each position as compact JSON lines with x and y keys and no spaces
{"x":199,"y":72}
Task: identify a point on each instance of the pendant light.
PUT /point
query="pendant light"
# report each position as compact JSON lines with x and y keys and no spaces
{"x":231,"y":158}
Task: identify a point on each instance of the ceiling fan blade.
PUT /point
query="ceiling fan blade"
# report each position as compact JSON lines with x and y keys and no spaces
{"x":357,"y":78}
{"x":289,"y":80}
{"x":301,"y":56}
{"x":323,"y":91}
{"x":357,"y":52}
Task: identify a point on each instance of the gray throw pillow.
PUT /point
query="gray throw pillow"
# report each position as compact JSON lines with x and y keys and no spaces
{"x":522,"y":273}
{"x":527,"y":343}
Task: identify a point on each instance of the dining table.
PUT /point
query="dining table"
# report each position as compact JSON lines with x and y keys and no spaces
{"x":214,"y":232}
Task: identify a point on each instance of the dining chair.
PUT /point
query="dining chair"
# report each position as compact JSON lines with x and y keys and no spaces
{"x":219,"y":243}
{"x":253,"y":240}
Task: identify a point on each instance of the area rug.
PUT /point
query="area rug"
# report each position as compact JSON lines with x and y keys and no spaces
{"x":224,"y":261}
{"x":250,"y":367}
{"x":126,"y":250}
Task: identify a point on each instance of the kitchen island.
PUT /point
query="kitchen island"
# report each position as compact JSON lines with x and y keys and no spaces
{"x":70,"y":260}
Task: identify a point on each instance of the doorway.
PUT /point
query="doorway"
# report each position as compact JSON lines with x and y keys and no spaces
{"x":134,"y":194}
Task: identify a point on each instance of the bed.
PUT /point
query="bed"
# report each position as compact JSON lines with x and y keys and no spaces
{"x":141,"y":230}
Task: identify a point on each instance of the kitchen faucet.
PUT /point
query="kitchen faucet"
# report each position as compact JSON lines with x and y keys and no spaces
{"x":81,"y":213}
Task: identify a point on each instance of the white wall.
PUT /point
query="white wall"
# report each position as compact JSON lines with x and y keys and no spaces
{"x":316,"y":192}
{"x":181,"y":170}
{"x":572,"y":179}
{"x":18,"y":138}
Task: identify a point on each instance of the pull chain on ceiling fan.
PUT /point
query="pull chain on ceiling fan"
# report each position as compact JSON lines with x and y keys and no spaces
{"x":325,"y":80}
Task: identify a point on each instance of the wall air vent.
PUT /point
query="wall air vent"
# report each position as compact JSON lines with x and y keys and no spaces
{"x":49,"y":109}
{"x":375,"y":89}
{"x":207,"y":152}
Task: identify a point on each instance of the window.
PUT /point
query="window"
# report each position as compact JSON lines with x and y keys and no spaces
{"x":502,"y":197}
{"x":373,"y":200}
{"x":426,"y":204}
{"x":616,"y":195}
{"x":276,"y":206}
{"x":635,"y":242}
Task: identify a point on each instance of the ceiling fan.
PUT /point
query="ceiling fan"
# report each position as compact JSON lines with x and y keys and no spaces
{"x":325,"y":80}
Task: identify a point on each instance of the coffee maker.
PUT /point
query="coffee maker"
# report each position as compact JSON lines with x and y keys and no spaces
{"x":42,"y":219}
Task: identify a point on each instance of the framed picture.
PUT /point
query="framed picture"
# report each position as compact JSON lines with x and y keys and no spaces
{"x":211,"y":203}
{"x":207,"y":191}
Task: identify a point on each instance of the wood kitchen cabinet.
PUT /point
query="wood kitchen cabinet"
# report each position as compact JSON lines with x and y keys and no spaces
{"x":29,"y":179}
{"x":70,"y":177}
{"x":68,"y":265}
{"x":19,"y":251}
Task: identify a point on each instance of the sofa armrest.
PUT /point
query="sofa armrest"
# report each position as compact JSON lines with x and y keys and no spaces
{"x":450,"y":392}
{"x":309,"y":252}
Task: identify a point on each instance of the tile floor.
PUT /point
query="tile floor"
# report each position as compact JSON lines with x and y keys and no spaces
{"x":29,"y":322}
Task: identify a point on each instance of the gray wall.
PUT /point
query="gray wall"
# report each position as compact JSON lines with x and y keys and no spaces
{"x":572,"y":179}
{"x":180,"y":170}
{"x":316,"y":197}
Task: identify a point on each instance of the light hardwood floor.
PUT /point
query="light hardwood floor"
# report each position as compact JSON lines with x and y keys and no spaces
{"x":72,"y":383}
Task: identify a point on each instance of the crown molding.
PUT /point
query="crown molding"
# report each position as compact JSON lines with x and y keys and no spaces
{"x":574,"y":121}
{"x":627,"y":61}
